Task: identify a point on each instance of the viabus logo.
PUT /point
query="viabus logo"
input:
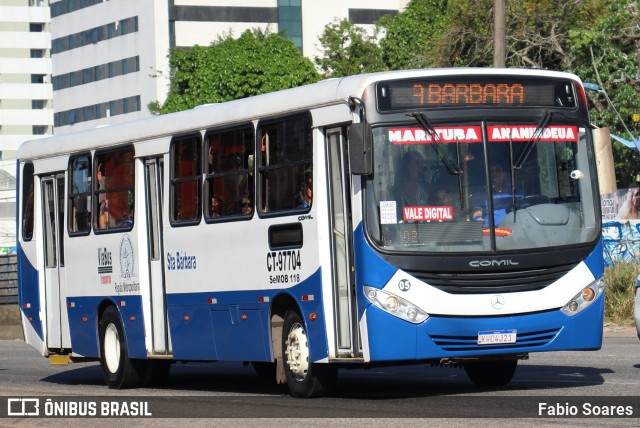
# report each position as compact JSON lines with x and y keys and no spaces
{"x":493,"y":263}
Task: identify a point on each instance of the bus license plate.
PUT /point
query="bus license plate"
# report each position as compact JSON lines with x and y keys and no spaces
{"x":497,"y":337}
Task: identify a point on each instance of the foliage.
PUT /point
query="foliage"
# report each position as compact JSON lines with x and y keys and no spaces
{"x":410,"y":35}
{"x":619,"y":298}
{"x":229,"y":69}
{"x":348,"y":50}
{"x":606,"y":53}
{"x":467,"y":39}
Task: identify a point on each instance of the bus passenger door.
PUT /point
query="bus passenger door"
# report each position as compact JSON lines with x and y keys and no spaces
{"x":341,"y":246}
{"x":154,"y":174}
{"x":58,"y":336}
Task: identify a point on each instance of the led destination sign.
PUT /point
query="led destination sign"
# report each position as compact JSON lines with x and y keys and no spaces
{"x":494,"y":91}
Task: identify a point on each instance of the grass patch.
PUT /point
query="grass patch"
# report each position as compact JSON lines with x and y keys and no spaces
{"x":620,"y":279}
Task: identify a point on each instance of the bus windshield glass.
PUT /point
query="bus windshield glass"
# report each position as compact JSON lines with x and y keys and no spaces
{"x":481,"y":187}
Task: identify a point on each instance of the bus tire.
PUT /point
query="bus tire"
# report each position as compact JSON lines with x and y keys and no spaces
{"x":119,"y":371}
{"x":491,"y":373}
{"x":304,"y":378}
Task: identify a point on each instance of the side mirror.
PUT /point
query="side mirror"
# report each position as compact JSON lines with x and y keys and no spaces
{"x":360,"y":149}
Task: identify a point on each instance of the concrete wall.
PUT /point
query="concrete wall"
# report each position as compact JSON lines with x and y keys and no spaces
{"x":10,"y":326}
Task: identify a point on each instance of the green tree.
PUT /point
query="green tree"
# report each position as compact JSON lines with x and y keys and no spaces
{"x":255,"y":63}
{"x":411,"y":36}
{"x":537,"y":32}
{"x":466,"y":36}
{"x":348,"y":49}
{"x":607,"y":53}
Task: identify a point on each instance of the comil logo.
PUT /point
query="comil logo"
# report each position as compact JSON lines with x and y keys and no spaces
{"x":23,"y":407}
{"x":493,"y":263}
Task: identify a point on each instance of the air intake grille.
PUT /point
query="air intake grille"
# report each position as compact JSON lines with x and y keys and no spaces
{"x":470,"y":343}
{"x":494,"y":282}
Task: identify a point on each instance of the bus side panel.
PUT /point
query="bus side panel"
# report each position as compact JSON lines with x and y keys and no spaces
{"x":241,"y":330}
{"x":190,"y":329}
{"x":234,"y":326}
{"x":29,"y":298}
{"x":316,"y":328}
{"x":83,"y":322}
{"x":130,"y":308}
{"x":83,"y":319}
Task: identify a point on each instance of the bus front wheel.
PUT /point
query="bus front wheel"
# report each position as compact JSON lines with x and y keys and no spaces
{"x":119,"y":371}
{"x":491,"y":373}
{"x":304,"y":378}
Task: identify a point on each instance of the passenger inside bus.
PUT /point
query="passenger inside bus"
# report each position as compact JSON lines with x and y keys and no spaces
{"x":247,"y":209}
{"x":499,"y":185}
{"x":103,"y":202}
{"x":448,"y":197}
{"x":501,"y":192}
{"x":216,"y":210}
{"x":410,"y":187}
{"x":306,"y":193}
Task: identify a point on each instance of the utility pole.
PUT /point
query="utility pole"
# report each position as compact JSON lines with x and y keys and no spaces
{"x":499,"y":34}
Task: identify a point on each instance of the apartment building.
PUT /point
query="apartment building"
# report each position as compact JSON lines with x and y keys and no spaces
{"x":110,"y":57}
{"x":26,"y":110}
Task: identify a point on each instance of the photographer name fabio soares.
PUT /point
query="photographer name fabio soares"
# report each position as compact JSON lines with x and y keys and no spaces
{"x":584,"y":409}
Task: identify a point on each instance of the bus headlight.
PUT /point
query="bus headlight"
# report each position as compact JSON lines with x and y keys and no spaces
{"x":395,"y":305}
{"x":584,"y":298}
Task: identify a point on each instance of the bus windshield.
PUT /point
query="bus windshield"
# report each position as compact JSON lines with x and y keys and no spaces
{"x":480,"y":187}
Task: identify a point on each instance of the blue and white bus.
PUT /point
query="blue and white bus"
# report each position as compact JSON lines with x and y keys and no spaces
{"x":428,"y":216}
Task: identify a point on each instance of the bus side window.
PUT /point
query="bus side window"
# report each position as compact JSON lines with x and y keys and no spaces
{"x":80,"y":194}
{"x":286,"y":164}
{"x":185,"y":179}
{"x":27,"y":202}
{"x":229,"y":174}
{"x":114,"y":189}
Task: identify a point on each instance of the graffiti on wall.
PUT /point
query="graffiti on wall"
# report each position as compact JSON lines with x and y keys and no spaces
{"x":621,"y":226}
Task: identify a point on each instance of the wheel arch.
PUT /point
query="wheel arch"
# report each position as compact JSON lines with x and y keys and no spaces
{"x":282,"y":303}
{"x":102,"y":307}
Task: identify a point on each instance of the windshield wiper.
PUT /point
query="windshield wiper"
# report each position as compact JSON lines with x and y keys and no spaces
{"x":423,"y":121}
{"x":540,"y":127}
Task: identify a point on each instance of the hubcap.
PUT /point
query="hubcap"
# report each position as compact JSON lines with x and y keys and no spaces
{"x":112,"y":348}
{"x":297,"y":351}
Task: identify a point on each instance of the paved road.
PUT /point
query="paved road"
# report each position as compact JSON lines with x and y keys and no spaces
{"x":602,"y":378}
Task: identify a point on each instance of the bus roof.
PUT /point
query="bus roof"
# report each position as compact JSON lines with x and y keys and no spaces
{"x":326,"y":92}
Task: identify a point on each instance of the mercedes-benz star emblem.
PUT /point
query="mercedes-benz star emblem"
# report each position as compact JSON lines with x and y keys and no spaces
{"x":497,"y":301}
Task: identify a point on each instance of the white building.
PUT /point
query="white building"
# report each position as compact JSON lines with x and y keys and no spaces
{"x":110,"y":58}
{"x":26,"y":110}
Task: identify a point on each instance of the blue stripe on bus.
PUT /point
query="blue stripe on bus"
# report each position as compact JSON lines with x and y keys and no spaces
{"x":29,"y":296}
{"x":234,"y":325}
{"x":201,"y":330}
{"x":595,"y":261}
{"x":391,"y":338}
{"x":84,"y":334}
{"x":375,"y":271}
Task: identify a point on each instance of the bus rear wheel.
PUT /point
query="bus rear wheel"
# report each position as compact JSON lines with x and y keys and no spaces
{"x":491,"y":373}
{"x":119,"y":371}
{"x":304,"y":378}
